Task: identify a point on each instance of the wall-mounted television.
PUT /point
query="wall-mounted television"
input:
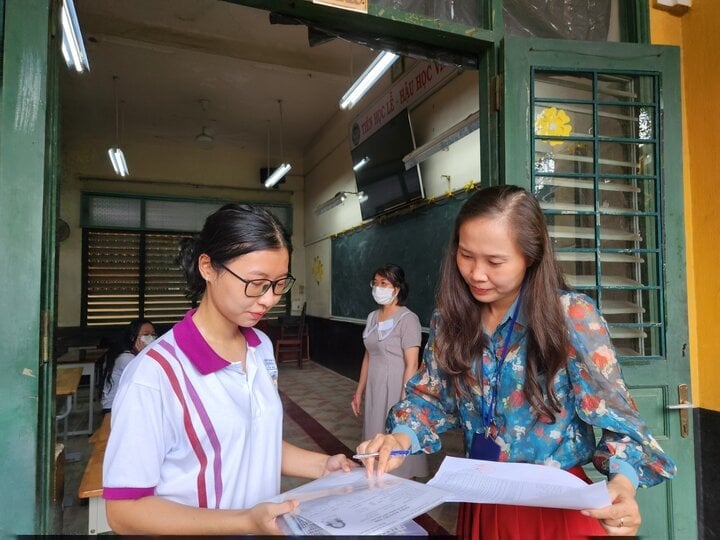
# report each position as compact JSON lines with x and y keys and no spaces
{"x":379,"y":169}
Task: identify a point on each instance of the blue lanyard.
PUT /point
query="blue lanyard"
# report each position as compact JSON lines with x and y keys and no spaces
{"x":489,"y":415}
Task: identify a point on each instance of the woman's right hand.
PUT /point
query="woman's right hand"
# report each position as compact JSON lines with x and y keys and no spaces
{"x":356,"y":403}
{"x":384,"y":444}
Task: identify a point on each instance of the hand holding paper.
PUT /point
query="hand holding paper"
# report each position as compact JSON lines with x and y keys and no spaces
{"x":474,"y":480}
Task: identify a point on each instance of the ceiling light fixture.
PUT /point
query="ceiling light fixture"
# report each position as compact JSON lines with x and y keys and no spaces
{"x":442,"y":141}
{"x":284,"y":167}
{"x":360,"y":164}
{"x":374,"y":71}
{"x":72,"y":46}
{"x":117,"y":158}
{"x":338,"y":199}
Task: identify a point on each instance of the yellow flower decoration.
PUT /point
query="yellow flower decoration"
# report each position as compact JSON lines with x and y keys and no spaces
{"x":317,"y":269}
{"x":553,"y":121}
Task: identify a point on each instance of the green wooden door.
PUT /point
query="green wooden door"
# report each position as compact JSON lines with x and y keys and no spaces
{"x":28,"y":146}
{"x":594,"y":130}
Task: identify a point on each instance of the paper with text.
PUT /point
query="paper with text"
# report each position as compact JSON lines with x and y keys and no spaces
{"x":524,"y":484}
{"x":353,"y":504}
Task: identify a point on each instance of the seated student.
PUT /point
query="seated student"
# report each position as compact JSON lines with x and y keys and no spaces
{"x":138,"y":335}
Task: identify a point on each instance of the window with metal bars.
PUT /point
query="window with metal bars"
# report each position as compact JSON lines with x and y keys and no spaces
{"x":136,"y":274}
{"x":130,"y":249}
{"x":598,"y":181}
{"x":133,"y":274}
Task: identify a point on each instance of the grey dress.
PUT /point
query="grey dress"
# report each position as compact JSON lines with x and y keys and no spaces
{"x":385,"y":343}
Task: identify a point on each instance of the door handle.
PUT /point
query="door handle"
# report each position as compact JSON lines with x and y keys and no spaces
{"x":682,"y":407}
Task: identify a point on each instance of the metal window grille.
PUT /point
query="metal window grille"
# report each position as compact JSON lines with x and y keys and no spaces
{"x":597,"y":176}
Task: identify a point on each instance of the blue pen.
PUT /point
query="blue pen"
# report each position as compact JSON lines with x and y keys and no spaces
{"x":376,"y":454}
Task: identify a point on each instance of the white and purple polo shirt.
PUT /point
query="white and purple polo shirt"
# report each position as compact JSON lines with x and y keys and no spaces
{"x":193,"y":428}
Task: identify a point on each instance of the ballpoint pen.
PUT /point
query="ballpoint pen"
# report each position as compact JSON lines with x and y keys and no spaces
{"x":376,"y":454}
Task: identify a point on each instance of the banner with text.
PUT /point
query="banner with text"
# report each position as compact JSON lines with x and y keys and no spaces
{"x":414,"y":86}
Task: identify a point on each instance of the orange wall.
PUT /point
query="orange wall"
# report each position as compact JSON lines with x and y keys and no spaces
{"x":696,"y":32}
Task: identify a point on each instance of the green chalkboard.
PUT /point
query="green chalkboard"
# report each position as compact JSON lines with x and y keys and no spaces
{"x":416,"y":241}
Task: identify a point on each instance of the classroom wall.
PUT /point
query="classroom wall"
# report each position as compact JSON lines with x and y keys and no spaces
{"x":329,"y":170}
{"x":171,"y":169}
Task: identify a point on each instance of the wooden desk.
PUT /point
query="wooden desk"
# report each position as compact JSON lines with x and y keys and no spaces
{"x":68,"y":380}
{"x":102,"y":433}
{"x":66,"y":385}
{"x":91,"y":485}
{"x":85,"y":359}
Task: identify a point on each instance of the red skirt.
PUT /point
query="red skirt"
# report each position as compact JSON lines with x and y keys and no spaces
{"x":507,"y":522}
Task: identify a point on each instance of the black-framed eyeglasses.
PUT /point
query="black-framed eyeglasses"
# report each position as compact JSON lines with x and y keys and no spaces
{"x":258,"y":287}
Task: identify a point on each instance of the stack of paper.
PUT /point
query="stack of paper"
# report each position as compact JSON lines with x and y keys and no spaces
{"x":523,"y":484}
{"x":353,"y":504}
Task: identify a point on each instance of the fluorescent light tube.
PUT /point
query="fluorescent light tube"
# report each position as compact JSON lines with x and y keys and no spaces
{"x":338,"y":199}
{"x":442,"y":141}
{"x":72,"y":45}
{"x":375,"y":70}
{"x":360,"y":164}
{"x":117,"y":159}
{"x":277,"y":175}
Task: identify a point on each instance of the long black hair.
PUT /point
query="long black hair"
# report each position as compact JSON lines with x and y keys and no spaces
{"x":459,"y":338}
{"x":231,"y":231}
{"x":126,"y":343}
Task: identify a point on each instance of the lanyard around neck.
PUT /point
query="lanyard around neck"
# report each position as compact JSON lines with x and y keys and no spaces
{"x":488,"y":415}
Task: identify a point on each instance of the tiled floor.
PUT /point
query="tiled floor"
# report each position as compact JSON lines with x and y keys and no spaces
{"x":317,"y":417}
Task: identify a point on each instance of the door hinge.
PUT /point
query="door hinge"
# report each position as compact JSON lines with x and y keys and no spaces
{"x":44,"y":337}
{"x":496,"y":90}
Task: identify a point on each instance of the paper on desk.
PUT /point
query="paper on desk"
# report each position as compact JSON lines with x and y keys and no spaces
{"x":353,"y":504}
{"x":524,"y":484}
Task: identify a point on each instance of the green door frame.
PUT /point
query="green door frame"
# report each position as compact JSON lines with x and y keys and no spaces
{"x":27,"y":376}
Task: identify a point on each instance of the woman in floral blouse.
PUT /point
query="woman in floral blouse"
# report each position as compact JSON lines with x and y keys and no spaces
{"x":526,"y":369}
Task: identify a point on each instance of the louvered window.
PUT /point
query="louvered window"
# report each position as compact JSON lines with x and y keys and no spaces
{"x":598,"y":181}
{"x":130,"y":272}
{"x":133,"y":274}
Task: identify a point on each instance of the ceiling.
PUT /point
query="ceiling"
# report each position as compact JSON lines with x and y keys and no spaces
{"x":170,"y":55}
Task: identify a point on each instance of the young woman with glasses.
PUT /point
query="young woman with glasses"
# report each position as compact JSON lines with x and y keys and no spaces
{"x":196,"y":439}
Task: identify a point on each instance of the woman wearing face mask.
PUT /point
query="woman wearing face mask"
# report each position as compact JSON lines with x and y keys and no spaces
{"x":138,"y":335}
{"x":392,"y":348}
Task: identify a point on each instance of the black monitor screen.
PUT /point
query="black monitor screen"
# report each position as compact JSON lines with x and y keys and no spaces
{"x":383,"y":178}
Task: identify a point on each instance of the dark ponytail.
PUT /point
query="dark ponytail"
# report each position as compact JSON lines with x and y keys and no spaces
{"x":231,"y":231}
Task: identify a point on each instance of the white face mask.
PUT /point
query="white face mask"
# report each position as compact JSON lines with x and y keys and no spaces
{"x":383,"y":295}
{"x":146,"y":340}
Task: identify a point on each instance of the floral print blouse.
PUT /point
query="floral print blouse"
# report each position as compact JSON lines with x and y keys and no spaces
{"x":590,"y":390}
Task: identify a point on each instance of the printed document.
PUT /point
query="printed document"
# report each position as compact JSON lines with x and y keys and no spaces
{"x":353,"y":504}
{"x":525,"y":484}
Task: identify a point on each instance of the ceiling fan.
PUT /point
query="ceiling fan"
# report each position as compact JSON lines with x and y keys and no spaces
{"x":205,"y":138}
